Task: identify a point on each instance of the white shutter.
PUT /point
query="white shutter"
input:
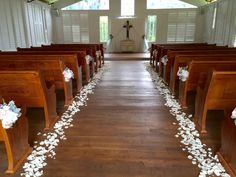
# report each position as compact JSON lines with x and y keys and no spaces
{"x":171,"y":32}
{"x":75,"y":27}
{"x":190,"y":31}
{"x":234,"y":43}
{"x":180,"y":33}
{"x":181,"y":26}
{"x":221,"y":22}
{"x":67,"y":32}
{"x":84,"y":28}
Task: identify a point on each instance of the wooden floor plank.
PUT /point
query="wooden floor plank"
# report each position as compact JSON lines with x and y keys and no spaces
{"x":125,"y":131}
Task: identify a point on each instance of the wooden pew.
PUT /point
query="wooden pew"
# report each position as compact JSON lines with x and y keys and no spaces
{"x":16,"y":142}
{"x":29,"y":88}
{"x":171,"y":57}
{"x":99,"y":47}
{"x":164,"y":51}
{"x":218,"y":93}
{"x":197,"y":74}
{"x":157,"y":47}
{"x":73,"y":60}
{"x":182,"y":60}
{"x":52,"y":68}
{"x":227,"y":152}
{"x":90,"y":50}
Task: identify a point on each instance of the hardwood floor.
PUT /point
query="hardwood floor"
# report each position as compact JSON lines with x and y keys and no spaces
{"x":125,"y":131}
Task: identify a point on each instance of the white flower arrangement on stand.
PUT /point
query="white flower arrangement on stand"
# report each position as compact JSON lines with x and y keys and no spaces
{"x":164,"y":60}
{"x":88,"y":59}
{"x":233,"y":115}
{"x":183,"y":73}
{"x":68,"y":74}
{"x":9,"y":114}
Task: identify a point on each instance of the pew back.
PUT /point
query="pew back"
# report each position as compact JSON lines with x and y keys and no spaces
{"x":29,"y":88}
{"x":219,"y":93}
{"x":182,"y":60}
{"x":198,"y":71}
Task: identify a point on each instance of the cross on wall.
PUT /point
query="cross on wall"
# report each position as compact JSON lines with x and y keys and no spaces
{"x":127,"y":26}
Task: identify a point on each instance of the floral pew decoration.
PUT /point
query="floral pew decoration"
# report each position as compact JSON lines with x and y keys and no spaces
{"x":99,"y":56}
{"x":14,"y":134}
{"x":183,"y":73}
{"x":233,"y":115}
{"x":98,"y":53}
{"x":88,"y":59}
{"x":9,"y":114}
{"x":154,"y":53}
{"x":164,"y":60}
{"x":68,"y":74}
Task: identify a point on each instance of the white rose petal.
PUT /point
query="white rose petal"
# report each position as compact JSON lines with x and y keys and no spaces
{"x":46,"y":148}
{"x":198,"y":152}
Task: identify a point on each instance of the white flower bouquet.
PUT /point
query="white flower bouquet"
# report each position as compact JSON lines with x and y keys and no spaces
{"x":98,"y":53}
{"x":183,"y":73}
{"x":164,"y":60}
{"x":88,"y":58}
{"x":233,"y":115}
{"x":68,"y":74}
{"x":154,"y":53}
{"x":9,"y":114}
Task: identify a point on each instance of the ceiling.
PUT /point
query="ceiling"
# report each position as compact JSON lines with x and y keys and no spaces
{"x":193,"y":2}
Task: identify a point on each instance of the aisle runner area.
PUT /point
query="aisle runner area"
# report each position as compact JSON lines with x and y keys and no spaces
{"x":197,"y":152}
{"x":46,"y":147}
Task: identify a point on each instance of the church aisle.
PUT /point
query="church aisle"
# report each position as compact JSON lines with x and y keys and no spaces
{"x":125,"y":131}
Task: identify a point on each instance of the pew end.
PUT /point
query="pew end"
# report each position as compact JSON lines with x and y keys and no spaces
{"x":219,"y":93}
{"x":16,"y":142}
{"x":227,"y":152}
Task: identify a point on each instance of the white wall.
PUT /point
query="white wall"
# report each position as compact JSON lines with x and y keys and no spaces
{"x":224,"y":32}
{"x":24,"y":24}
{"x":116,"y":24}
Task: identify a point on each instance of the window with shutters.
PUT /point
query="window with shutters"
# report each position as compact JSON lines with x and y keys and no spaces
{"x":89,"y":5}
{"x":181,"y":26}
{"x":151,"y":28}
{"x":103,"y":28}
{"x":75,"y":27}
{"x":168,"y":4}
{"x":127,"y":7}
